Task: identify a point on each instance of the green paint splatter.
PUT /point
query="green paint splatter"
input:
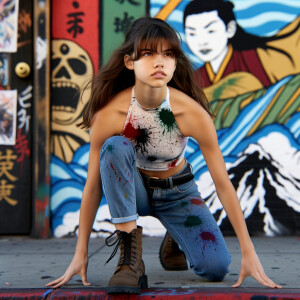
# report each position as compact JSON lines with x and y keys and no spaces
{"x":192,"y":221}
{"x":110,"y":148}
{"x":125,"y":195}
{"x":184,"y":204}
{"x":167,"y":119}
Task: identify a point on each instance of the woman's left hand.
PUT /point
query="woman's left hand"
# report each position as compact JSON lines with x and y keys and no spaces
{"x":251,"y":266}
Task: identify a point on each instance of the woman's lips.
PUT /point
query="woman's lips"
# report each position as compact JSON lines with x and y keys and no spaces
{"x":159,"y":74}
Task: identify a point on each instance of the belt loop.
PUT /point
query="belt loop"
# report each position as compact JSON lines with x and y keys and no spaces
{"x":170,"y":179}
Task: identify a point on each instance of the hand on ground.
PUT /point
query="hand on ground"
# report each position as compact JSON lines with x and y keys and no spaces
{"x":77,"y":266}
{"x":251,"y":266}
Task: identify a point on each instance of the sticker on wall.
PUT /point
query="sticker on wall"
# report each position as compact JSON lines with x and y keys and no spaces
{"x":8,"y":25}
{"x":8,"y":109}
{"x":3,"y":69}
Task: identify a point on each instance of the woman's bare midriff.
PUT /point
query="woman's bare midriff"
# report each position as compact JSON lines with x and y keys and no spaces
{"x":164,"y":174}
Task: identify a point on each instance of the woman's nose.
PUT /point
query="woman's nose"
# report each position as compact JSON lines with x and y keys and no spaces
{"x":159,"y":62}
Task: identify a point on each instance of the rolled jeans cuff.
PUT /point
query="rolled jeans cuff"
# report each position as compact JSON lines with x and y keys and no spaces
{"x":124,"y":219}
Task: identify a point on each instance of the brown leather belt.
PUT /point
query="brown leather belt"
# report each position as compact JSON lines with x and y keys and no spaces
{"x":155,"y":182}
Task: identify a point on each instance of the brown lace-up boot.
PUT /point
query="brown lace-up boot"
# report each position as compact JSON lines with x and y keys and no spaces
{"x":171,"y":257}
{"x":129,"y":276}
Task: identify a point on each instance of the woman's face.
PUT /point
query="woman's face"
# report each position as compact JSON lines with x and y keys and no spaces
{"x":206,"y":35}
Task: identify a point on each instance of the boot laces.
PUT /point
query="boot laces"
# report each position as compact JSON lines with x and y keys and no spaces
{"x":123,"y":239}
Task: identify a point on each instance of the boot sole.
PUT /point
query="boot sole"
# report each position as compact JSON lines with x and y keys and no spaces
{"x":143,"y":283}
{"x":169,"y":268}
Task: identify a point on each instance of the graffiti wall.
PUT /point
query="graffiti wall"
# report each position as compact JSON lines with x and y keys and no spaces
{"x":16,"y":94}
{"x":247,"y":59}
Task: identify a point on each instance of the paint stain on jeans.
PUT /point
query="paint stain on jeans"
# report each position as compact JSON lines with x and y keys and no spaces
{"x":110,"y":148}
{"x":112,"y":166}
{"x":192,"y":221}
{"x":208,"y":237}
{"x":184,"y":204}
{"x":197,"y":202}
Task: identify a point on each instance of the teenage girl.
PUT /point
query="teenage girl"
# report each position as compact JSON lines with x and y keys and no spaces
{"x":143,"y":107}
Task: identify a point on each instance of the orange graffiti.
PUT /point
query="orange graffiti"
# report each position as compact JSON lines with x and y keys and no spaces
{"x":24,"y":21}
{"x":167,"y":9}
{"x":5,"y":192}
{"x":7,"y":164}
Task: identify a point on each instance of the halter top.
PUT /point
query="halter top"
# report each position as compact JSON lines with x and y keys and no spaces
{"x":155,"y":135}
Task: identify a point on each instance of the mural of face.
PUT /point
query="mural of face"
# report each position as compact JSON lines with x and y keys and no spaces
{"x":207,"y":35}
{"x":71,"y":68}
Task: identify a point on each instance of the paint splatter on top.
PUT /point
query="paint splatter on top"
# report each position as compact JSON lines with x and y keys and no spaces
{"x":154,"y":133}
{"x":167,"y":119}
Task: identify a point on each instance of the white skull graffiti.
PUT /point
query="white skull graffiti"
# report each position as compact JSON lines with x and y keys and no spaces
{"x":71,"y":70}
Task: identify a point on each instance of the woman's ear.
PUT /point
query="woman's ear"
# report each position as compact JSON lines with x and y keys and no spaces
{"x":231,"y":29}
{"x":128,"y":62}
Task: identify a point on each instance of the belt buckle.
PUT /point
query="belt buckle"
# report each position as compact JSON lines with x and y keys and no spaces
{"x":148,"y":182}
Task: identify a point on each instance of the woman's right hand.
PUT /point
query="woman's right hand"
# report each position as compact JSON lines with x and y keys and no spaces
{"x":78,"y":266}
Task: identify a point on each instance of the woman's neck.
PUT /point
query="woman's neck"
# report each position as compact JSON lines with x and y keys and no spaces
{"x":149,"y":97}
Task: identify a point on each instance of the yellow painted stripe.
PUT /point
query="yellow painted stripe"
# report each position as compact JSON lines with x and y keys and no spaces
{"x":246,"y":101}
{"x":225,"y":113}
{"x":290,"y":102}
{"x":210,"y":72}
{"x":267,"y":110}
{"x":167,"y":9}
{"x":218,"y":107}
{"x":224,"y":64}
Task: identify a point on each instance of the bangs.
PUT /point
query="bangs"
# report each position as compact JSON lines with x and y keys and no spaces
{"x":154,"y":37}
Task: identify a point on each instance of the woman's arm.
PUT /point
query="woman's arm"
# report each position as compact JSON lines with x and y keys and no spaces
{"x":100,"y":130}
{"x":196,"y":122}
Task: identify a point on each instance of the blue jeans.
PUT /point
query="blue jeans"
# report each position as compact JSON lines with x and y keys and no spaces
{"x":180,"y":209}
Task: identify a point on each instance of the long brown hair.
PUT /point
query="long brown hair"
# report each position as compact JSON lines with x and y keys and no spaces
{"x":115,"y":77}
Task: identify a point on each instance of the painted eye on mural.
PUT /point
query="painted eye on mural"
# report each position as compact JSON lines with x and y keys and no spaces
{"x":77,"y":66}
{"x":55,"y":62}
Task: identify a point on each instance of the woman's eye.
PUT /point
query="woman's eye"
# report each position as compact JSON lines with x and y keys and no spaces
{"x":147,"y":53}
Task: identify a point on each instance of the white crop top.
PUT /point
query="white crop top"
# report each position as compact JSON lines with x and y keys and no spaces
{"x":155,"y":135}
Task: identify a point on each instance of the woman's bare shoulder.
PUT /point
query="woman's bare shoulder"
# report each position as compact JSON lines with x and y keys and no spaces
{"x":111,"y":117}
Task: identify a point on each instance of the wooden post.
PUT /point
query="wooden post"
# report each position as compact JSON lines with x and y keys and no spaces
{"x":41,"y":119}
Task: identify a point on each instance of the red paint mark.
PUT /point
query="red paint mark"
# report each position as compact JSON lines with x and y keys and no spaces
{"x":125,"y":143}
{"x":131,"y":132}
{"x":112,"y":166}
{"x":172,"y":164}
{"x":155,"y":293}
{"x":197,"y":202}
{"x":208,"y":237}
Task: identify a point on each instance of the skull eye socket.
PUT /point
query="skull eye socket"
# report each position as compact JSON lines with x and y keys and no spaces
{"x":55,"y":62}
{"x":77,"y":66}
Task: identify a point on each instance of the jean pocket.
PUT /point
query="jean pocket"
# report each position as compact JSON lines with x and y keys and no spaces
{"x":182,"y":188}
